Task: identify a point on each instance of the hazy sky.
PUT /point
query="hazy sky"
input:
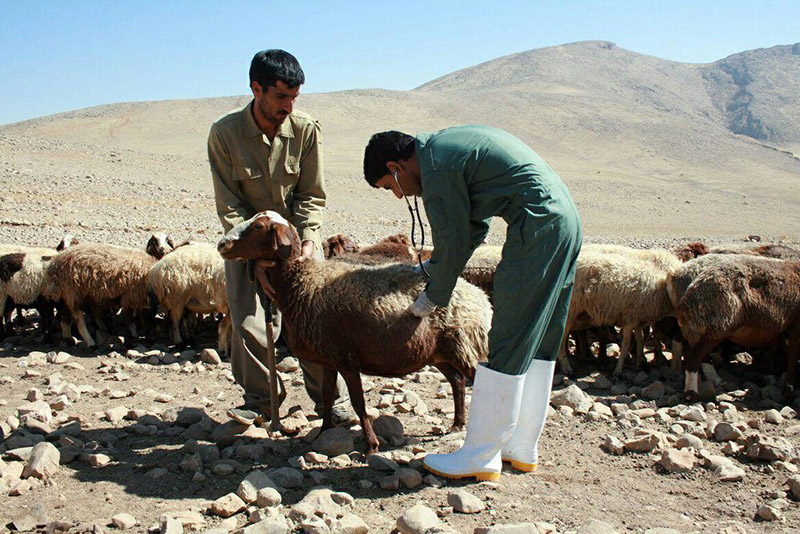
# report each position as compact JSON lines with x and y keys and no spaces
{"x":65,"y":55}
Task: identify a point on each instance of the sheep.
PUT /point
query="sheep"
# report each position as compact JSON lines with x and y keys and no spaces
{"x":393,"y":248}
{"x":159,"y":245}
{"x":617,"y":285}
{"x":67,"y":241}
{"x":750,"y":300}
{"x":192,"y":277}
{"x":354,"y":318}
{"x":481,"y":266}
{"x":21,"y":281}
{"x":337,"y":245}
{"x":100,"y":275}
{"x":778,"y":250}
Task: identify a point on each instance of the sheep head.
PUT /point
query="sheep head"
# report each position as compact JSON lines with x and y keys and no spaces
{"x":339,"y":244}
{"x":266,"y":236}
{"x":159,"y":245}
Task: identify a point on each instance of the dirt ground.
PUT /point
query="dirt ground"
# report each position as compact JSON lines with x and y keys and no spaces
{"x":120,"y":197}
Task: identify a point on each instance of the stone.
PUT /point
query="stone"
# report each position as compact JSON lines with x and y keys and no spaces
{"x":613,"y":445}
{"x":693,"y":413}
{"x":726,"y":432}
{"x":39,"y":410}
{"x":169,"y":525}
{"x":391,"y":483}
{"x":254,"y":482}
{"x":768,"y":513}
{"x":227,"y":505}
{"x":349,"y":523}
{"x":794,"y":485}
{"x":516,"y":528}
{"x":268,"y":497}
{"x":44,"y":461}
{"x":272,"y":524}
{"x":689,"y":440}
{"x":645,"y":443}
{"x":595,"y":526}
{"x":115,"y":415}
{"x":654,"y":391}
{"x":728,"y":472}
{"x":210,"y":356}
{"x":409,"y":478}
{"x":417,"y":520}
{"x":378,"y":462}
{"x":124,"y":521}
{"x":773,"y":416}
{"x":334,"y":441}
{"x":98,"y":460}
{"x":389,"y":428}
{"x":573,"y":397}
{"x":288,"y":365}
{"x":287,"y":477}
{"x":464,"y":502}
{"x":677,"y":460}
{"x":189,"y":520}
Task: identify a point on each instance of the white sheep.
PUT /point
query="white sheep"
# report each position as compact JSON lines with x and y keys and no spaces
{"x":192,"y":277}
{"x":620,"y":286}
{"x":100,"y":275}
{"x":21,"y":281}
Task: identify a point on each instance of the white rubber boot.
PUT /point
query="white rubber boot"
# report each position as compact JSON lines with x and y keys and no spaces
{"x":492,"y":416}
{"x":521,"y":450}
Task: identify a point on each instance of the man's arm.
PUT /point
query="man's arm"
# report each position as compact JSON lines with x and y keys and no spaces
{"x":231,"y":210}
{"x":309,"y":193}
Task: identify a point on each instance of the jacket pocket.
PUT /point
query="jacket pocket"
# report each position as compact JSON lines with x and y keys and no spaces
{"x":292,"y":169}
{"x":247,"y":173}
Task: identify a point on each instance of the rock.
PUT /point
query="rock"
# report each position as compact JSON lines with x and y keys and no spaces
{"x":726,"y":432}
{"x":677,"y":461}
{"x":464,"y":502}
{"x":391,"y":483}
{"x":654,"y":391}
{"x":268,"y":497}
{"x":728,"y":472}
{"x":409,"y":478}
{"x":773,"y":416}
{"x":115,"y":415}
{"x":169,"y":525}
{"x":689,"y":440}
{"x":573,"y":397}
{"x":760,"y":447}
{"x":602,"y":382}
{"x":210,"y":356}
{"x":227,"y":505}
{"x":794,"y":485}
{"x":349,"y":524}
{"x":693,"y":413}
{"x":389,"y":428}
{"x":44,"y":461}
{"x":417,"y":520}
{"x":189,"y":520}
{"x":98,"y":460}
{"x":288,"y":365}
{"x":124,"y":521}
{"x":644,"y":443}
{"x":287,"y":477}
{"x":334,"y":441}
{"x":378,"y":462}
{"x":768,"y":513}
{"x":613,"y":445}
{"x":595,"y":526}
{"x":252,"y":484}
{"x":274,"y":524}
{"x":326,"y":503}
{"x":38,"y":410}
{"x":518,"y":528}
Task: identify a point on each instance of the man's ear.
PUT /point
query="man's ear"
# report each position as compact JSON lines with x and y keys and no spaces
{"x":281,"y":242}
{"x":256,"y":88}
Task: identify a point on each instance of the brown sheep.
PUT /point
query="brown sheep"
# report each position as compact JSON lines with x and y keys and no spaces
{"x":750,"y":300}
{"x":353,"y":318}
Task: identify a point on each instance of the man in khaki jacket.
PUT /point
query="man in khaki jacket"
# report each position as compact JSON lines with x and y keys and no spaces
{"x":266,"y":156}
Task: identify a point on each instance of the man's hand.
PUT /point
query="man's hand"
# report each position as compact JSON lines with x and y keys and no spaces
{"x":260,"y":269}
{"x":307,"y":250}
{"x":422,"y":306}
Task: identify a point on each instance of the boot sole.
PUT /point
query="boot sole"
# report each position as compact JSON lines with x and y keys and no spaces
{"x":491,"y":477}
{"x":520,"y":466}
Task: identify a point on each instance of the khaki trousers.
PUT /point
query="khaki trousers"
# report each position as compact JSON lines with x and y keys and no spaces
{"x":249,"y":310}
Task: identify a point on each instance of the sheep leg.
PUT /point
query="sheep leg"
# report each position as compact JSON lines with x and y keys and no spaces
{"x":175,"y":315}
{"x":224,"y":333}
{"x":697,"y":356}
{"x":457,"y":383}
{"x":328,"y":390}
{"x":353,"y":380}
{"x":677,"y":355}
{"x":80,"y":321}
{"x":562,"y":358}
{"x":792,"y":353}
{"x":626,"y":347}
{"x":640,"y":357}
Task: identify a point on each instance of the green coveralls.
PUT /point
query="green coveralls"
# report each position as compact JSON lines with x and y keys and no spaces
{"x":473,"y":173}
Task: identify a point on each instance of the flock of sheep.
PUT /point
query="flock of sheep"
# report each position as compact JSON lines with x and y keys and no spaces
{"x":694,"y":296}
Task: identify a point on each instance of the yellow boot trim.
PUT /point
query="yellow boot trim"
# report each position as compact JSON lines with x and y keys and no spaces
{"x":492,"y":477}
{"x":521,"y":466}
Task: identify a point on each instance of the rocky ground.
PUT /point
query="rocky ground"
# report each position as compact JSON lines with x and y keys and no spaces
{"x":134,"y":436}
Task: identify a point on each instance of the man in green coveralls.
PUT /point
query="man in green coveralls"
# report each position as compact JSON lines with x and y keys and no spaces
{"x":466,"y":175}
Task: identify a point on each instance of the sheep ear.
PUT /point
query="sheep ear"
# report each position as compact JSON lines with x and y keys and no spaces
{"x":281,"y":242}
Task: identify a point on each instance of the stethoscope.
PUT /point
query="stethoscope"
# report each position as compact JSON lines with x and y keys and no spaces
{"x":415,"y":217}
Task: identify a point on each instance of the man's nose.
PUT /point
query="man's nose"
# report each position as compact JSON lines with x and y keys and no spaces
{"x":289,"y":106}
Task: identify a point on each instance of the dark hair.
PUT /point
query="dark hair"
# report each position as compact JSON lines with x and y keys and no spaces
{"x":382,"y":148}
{"x":269,"y":66}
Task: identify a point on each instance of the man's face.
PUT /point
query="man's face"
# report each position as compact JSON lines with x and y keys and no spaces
{"x":398,"y":182}
{"x":275,"y":102}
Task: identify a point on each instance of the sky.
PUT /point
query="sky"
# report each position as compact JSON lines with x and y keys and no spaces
{"x":60,"y":55}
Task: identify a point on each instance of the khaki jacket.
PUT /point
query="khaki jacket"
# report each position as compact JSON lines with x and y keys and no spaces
{"x":252,"y":174}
